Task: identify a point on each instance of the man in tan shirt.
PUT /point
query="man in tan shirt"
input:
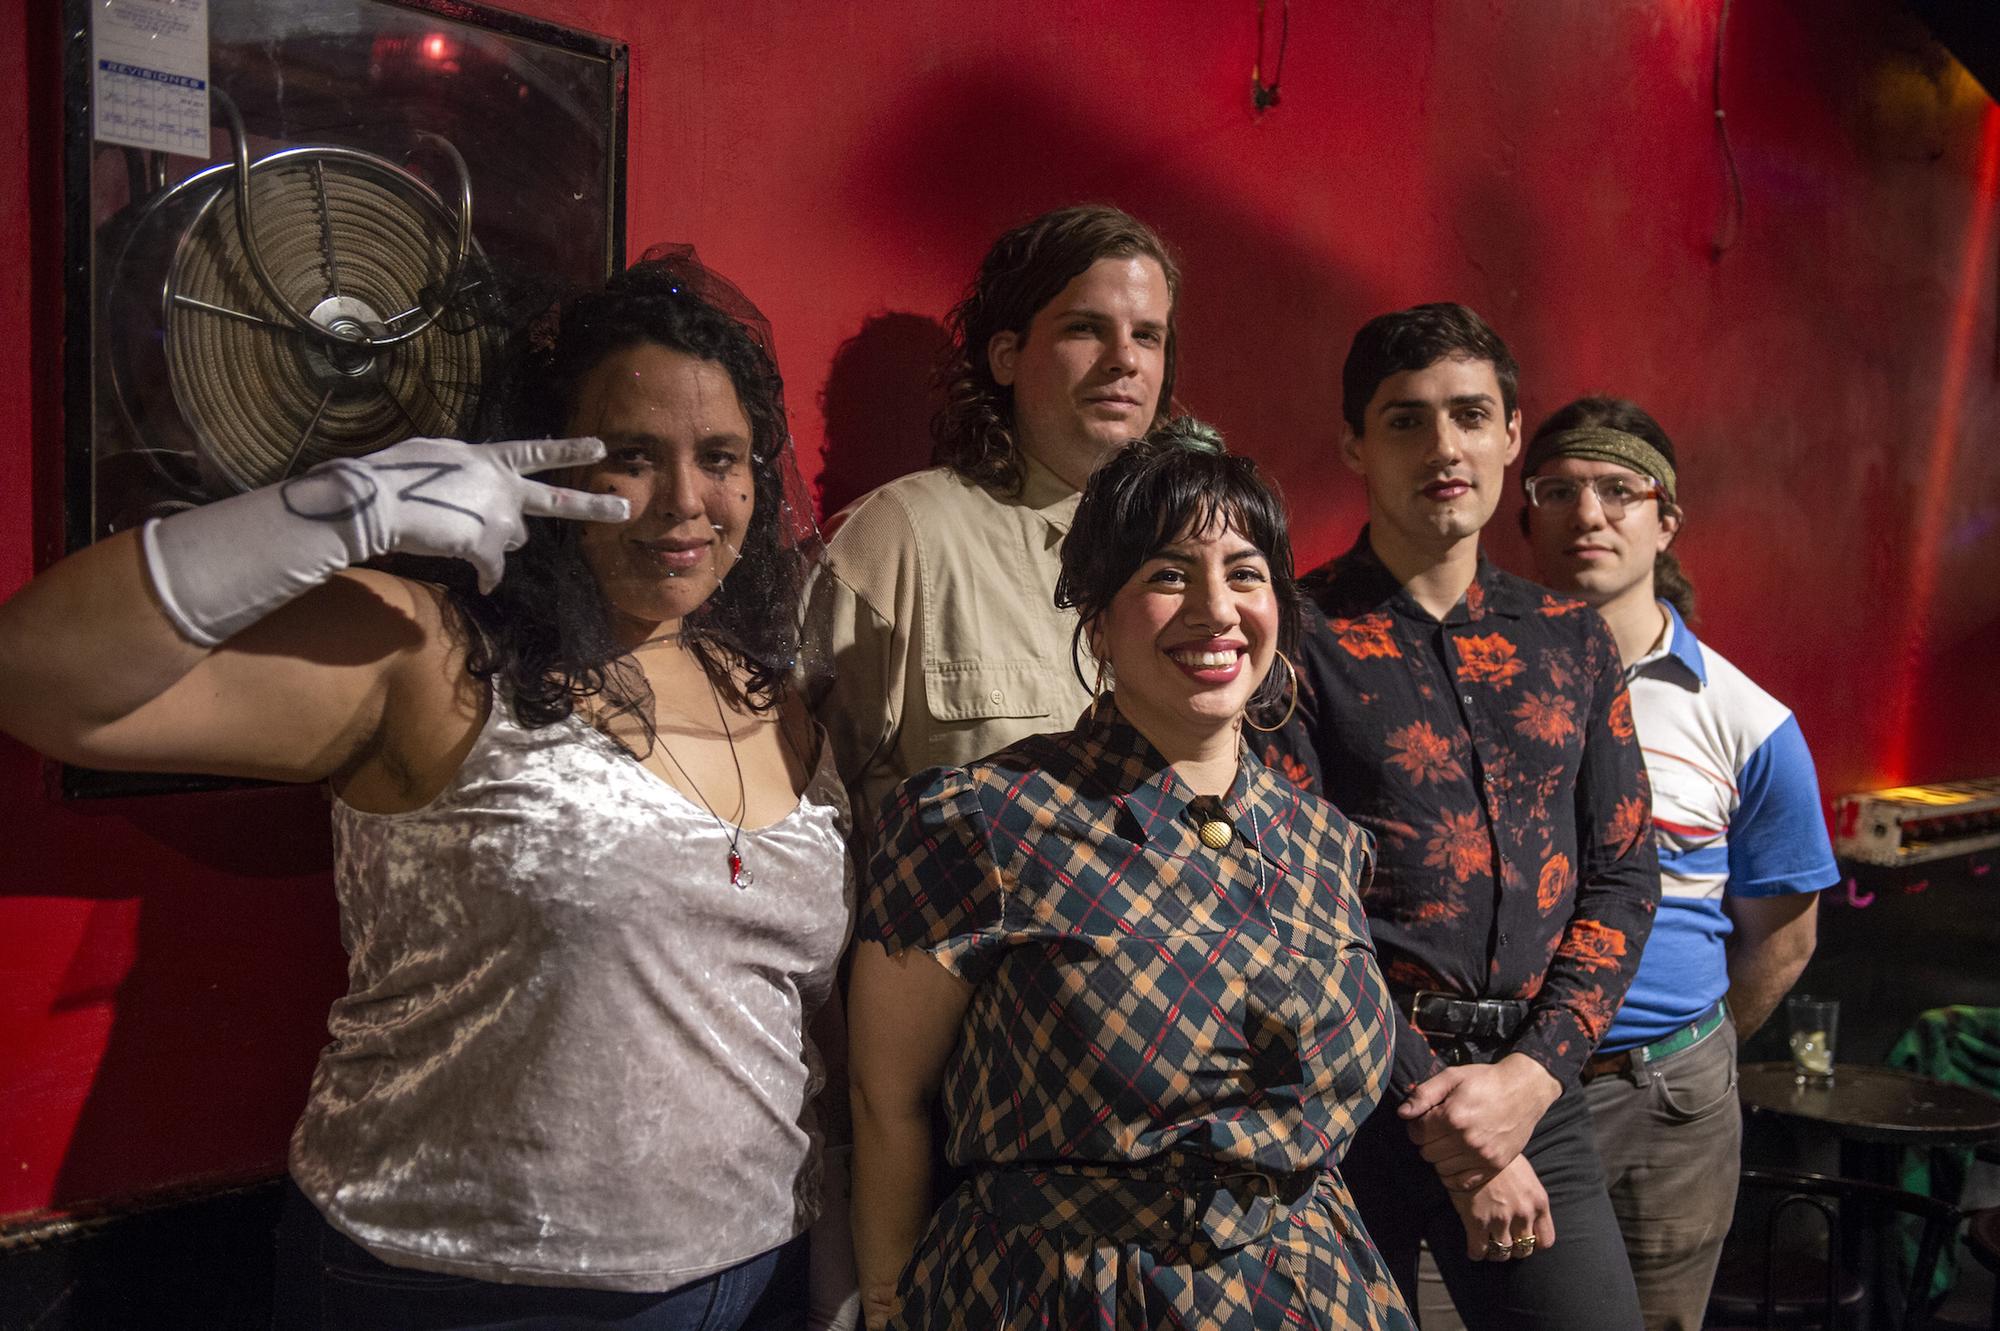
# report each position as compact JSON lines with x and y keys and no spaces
{"x":936,"y":606}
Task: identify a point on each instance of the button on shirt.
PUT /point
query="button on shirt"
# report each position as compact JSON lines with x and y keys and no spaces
{"x":1136,"y":991}
{"x":1140,"y":999}
{"x":1492,"y":755}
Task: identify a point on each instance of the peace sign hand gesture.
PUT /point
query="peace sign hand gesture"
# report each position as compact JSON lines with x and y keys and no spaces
{"x":443,"y":498}
{"x":220,"y":568}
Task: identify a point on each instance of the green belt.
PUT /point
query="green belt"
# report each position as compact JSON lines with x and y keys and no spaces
{"x":1687,"y":1037}
{"x":1707,"y":1024}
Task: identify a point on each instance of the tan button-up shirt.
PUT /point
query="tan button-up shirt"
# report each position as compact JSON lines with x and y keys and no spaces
{"x":936,"y":610}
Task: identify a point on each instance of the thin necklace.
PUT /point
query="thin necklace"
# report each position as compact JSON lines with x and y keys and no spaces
{"x":1257,"y":850}
{"x":739,"y":876}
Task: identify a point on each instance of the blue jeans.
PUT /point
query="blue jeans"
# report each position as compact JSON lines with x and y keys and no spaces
{"x":327,"y":1282}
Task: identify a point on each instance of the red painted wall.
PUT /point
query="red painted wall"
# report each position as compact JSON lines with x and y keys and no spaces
{"x":1830,"y":381}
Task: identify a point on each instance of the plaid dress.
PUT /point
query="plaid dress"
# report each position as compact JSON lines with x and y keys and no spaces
{"x":1167,"y":1050}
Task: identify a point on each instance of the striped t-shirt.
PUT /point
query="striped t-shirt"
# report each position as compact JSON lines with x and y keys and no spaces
{"x":1736,"y":809}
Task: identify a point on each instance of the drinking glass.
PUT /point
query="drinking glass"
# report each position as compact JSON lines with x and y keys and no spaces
{"x":1815,"y":1024}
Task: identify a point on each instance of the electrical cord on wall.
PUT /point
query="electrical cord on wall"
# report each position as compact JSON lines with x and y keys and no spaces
{"x":1732,"y":223}
{"x":1264,"y":96}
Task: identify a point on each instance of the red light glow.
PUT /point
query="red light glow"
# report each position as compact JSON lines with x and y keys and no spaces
{"x":1927,"y":522}
{"x":436,"y":47}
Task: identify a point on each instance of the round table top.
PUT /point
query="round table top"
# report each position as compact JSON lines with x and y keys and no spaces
{"x":1875,"y":1103}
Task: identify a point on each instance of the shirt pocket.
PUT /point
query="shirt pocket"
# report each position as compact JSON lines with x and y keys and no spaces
{"x":1311,"y":934}
{"x":1321,"y":920}
{"x":977,"y":706}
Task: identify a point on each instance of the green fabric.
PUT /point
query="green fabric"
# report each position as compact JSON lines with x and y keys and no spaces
{"x":1960,"y":1045}
{"x":1707,"y":1024}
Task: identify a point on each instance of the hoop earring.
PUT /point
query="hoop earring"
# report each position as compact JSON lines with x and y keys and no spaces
{"x":1293,"y":672}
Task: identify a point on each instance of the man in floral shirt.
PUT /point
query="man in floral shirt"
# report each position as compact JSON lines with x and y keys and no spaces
{"x":1479,"y":728}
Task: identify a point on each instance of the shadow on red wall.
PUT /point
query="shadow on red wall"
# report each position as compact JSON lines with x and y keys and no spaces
{"x":877,"y":403}
{"x":215,"y":977}
{"x":974,"y":150}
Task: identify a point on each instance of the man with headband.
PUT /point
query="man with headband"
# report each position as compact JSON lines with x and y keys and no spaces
{"x":1743,"y":849}
{"x":937,"y":602}
{"x":1479,"y":728}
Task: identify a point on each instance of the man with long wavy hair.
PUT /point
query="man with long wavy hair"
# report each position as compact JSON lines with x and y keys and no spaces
{"x":936,"y":604}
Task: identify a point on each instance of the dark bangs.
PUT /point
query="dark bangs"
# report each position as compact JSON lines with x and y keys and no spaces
{"x":1156,"y":490}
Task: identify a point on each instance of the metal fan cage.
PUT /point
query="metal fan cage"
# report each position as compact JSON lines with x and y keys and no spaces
{"x":323,"y":337}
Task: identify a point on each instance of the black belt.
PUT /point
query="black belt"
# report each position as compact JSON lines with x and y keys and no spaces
{"x":1176,"y":1201}
{"x":1437,"y":1013}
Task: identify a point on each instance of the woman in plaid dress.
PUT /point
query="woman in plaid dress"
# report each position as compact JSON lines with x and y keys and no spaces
{"x":1131,"y":959}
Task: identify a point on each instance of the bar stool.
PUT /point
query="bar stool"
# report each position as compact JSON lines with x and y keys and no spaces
{"x":1765,"y":1282}
{"x":1982,"y":1240}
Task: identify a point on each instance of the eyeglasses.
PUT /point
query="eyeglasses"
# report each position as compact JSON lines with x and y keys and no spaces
{"x":1614,"y":493}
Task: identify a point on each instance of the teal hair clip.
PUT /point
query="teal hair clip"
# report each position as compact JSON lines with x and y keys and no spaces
{"x":1195,"y":434}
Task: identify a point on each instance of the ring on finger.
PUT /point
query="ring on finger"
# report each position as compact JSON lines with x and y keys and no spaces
{"x":1524,"y":1246}
{"x":1504,"y":1249}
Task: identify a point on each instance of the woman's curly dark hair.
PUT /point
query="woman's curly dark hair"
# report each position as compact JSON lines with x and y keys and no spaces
{"x":545,"y":632}
{"x":973,"y":432}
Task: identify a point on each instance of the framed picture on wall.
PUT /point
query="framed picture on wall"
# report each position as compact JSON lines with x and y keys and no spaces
{"x":292,"y":230}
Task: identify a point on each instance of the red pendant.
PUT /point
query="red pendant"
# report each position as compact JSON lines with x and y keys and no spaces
{"x":735,"y":869}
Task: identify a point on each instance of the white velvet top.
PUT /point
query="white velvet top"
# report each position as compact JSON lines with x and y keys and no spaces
{"x":571,"y":1053}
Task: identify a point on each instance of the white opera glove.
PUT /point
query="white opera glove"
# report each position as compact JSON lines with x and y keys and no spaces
{"x":221,"y":568}
{"x":834,"y":1289}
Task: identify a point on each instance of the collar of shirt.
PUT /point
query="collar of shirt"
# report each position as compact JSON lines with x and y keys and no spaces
{"x":1142,"y":783}
{"x":1680,"y":656}
{"x":1051,"y":497}
{"x":1359,"y":582}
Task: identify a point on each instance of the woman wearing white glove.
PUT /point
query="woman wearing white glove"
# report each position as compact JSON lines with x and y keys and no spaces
{"x":590,"y":852}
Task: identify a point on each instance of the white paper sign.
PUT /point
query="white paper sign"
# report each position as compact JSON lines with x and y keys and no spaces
{"x":149,"y":67}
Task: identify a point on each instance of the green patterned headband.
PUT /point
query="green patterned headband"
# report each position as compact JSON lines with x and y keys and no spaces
{"x":1600,"y":443}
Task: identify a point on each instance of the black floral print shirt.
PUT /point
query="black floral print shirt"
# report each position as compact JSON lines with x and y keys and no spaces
{"x":1493,"y":757}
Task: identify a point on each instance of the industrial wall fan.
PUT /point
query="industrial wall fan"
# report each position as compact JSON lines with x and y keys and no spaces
{"x":313,"y":303}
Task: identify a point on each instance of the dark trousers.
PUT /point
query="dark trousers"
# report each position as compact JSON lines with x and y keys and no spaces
{"x":327,"y":1282}
{"x":1583,"y":1283}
